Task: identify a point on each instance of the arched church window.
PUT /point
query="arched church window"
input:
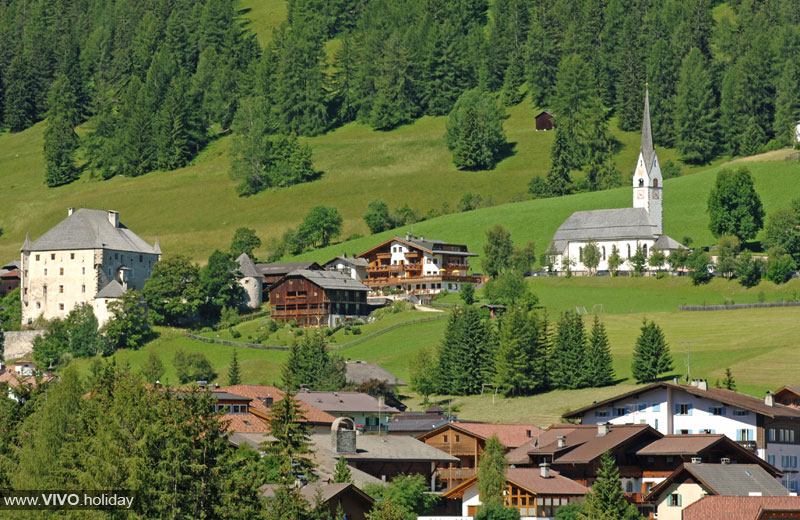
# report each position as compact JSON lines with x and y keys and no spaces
{"x":580,"y":253}
{"x":641,"y":182}
{"x":655,"y":183}
{"x":644,"y":248}
{"x":604,"y":252}
{"x":629,"y":250}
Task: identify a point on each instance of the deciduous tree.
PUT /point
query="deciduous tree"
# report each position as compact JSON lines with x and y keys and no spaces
{"x":734,"y":206}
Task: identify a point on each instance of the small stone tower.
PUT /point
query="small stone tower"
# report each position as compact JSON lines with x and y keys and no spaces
{"x":647,"y":180}
{"x":343,"y":435}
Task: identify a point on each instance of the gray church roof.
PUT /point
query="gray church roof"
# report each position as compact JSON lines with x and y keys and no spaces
{"x":667,"y":243}
{"x":605,"y":224}
{"x":89,"y":229}
{"x":648,"y":151}
{"x":113,"y":289}
{"x":247,"y":267}
{"x":330,"y":279}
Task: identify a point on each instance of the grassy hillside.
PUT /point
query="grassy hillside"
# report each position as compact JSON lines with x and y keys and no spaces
{"x":758,"y":345}
{"x":195,"y":209}
{"x":684,"y":212}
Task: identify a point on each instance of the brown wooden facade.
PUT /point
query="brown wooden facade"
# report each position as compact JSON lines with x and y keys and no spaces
{"x":310,"y":305}
{"x":544,"y":121}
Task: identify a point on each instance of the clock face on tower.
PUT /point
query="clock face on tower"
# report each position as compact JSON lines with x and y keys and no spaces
{"x":655,"y":195}
{"x":640,"y":194}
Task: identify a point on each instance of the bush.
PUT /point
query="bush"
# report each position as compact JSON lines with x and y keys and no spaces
{"x":355,"y":330}
{"x":670,"y":170}
{"x":272,"y":325}
{"x":235,"y":333}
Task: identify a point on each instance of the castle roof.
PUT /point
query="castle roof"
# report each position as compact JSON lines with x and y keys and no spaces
{"x":113,"y":289}
{"x":89,"y":229}
{"x":605,"y":224}
{"x":247,"y":267}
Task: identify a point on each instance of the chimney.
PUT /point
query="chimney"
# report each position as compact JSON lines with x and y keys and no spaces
{"x":562,"y":441}
{"x":602,"y":429}
{"x":769,"y":399}
{"x":70,"y":211}
{"x":544,"y":470}
{"x":702,"y":384}
{"x":113,"y":217}
{"x":724,"y":460}
{"x":694,"y":382}
{"x":408,"y":236}
{"x":697,"y":460}
{"x":675,"y":380}
{"x":343,"y":436}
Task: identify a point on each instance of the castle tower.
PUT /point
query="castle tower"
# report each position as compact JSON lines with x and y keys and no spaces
{"x":647,"y":180}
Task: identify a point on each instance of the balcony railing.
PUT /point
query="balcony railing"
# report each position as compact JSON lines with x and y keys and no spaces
{"x":748,"y":445}
{"x":445,"y":474}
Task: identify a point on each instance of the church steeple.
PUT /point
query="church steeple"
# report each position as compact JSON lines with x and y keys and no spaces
{"x":648,"y":151}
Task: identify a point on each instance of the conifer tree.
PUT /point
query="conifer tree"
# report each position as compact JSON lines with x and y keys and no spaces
{"x":394,"y":102}
{"x":562,"y":160}
{"x":234,"y":375}
{"x":519,"y":359}
{"x":445,"y":78}
{"x":423,"y":373}
{"x":606,"y":499}
{"x":20,"y":108}
{"x":137,"y":152}
{"x":695,"y":110}
{"x":651,"y":356}
{"x":290,"y":444}
{"x":732,"y":118}
{"x":475,"y":132}
{"x":568,"y":359}
{"x":599,"y":363}
{"x":342,"y":474}
{"x":344,"y":81}
{"x":630,"y":95}
{"x":60,"y":139}
{"x":178,"y":136}
{"x":542,"y":56}
{"x":312,"y":365}
{"x":492,"y":473}
{"x":466,"y":359}
{"x":153,"y":368}
{"x":787,"y":102}
{"x":513,"y":81}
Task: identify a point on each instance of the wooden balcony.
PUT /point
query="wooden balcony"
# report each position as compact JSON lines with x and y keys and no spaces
{"x":447,"y":474}
{"x":748,"y":445}
{"x":635,"y":498}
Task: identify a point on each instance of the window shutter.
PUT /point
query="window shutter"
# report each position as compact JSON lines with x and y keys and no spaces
{"x":689,"y":432}
{"x":710,"y":410}
{"x":680,"y":502}
{"x":751,"y":435}
{"x":689,"y":406}
{"x":723,"y":411}
{"x":677,"y":409}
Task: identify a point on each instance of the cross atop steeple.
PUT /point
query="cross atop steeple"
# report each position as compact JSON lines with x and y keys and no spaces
{"x":648,"y":151}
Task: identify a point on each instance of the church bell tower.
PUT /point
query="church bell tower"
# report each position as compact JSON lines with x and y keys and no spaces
{"x":647,"y":181}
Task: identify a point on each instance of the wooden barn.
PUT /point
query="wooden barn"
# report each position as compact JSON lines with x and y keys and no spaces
{"x":544,"y":120}
{"x":318,"y":298}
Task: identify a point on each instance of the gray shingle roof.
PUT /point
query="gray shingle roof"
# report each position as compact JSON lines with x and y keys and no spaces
{"x":344,"y":402}
{"x":281,"y":268}
{"x":605,"y":224}
{"x":667,"y":243}
{"x":737,"y":479}
{"x":435,"y":245}
{"x":113,"y":289}
{"x":330,"y":280}
{"x":359,"y":372}
{"x":247,"y":267}
{"x":89,"y":229}
{"x":383,"y":447}
{"x":353,"y":261}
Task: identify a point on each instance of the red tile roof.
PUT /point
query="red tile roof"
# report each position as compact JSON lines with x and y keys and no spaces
{"x":530,"y":479}
{"x":245,"y":423}
{"x":258,"y":392}
{"x":13,"y":379}
{"x":510,"y":435}
{"x":739,"y":508}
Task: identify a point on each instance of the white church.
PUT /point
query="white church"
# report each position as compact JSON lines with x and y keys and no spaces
{"x":625,"y":228}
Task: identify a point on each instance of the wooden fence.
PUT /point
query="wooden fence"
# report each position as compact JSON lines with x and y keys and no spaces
{"x":734,"y":306}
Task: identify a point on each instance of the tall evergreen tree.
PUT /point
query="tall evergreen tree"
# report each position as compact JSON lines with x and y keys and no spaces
{"x":466,"y":357}
{"x":312,"y":365}
{"x":662,"y":72}
{"x":492,"y":473}
{"x":395,"y":97}
{"x":342,"y":474}
{"x":695,"y":110}
{"x":291,"y":436}
{"x":606,"y":499}
{"x":20,"y":108}
{"x":787,"y":102}
{"x":568,"y":358}
{"x":444,"y":75}
{"x":345,"y":66}
{"x":60,"y":139}
{"x":475,"y":132}
{"x":599,"y":363}
{"x":651,"y":356}
{"x":137,"y":152}
{"x":519,"y":359}
{"x":513,"y":81}
{"x":562,"y":160}
{"x":234,"y":372}
{"x":630,"y":95}
{"x":542,"y":56}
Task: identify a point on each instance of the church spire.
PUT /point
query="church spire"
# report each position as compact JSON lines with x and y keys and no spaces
{"x":648,"y":151}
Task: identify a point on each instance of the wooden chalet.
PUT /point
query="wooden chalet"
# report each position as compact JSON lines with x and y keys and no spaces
{"x":318,"y":298}
{"x":467,"y":441}
{"x":273,"y":273}
{"x":788,"y":395}
{"x":533,"y":492}
{"x":544,"y":120}
{"x":414,"y":265}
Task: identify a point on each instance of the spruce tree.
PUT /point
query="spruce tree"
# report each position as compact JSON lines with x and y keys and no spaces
{"x":466,"y":359}
{"x":787,"y":102}
{"x":606,"y":500}
{"x":444,"y":67}
{"x":234,"y":375}
{"x":153,"y":368}
{"x":475,"y":132}
{"x":542,"y":56}
{"x":513,"y":81}
{"x":519,"y":359}
{"x":651,"y":356}
{"x":630,"y":95}
{"x":60,"y":139}
{"x":20,"y":109}
{"x":342,"y":474}
{"x":137,"y":152}
{"x":568,"y":359}
{"x":345,"y":66}
{"x":395,"y":97}
{"x":695,"y":110}
{"x":176,"y":139}
{"x":492,"y":473}
{"x":562,"y":160}
{"x":733,"y":119}
{"x":291,"y":436}
{"x":599,"y":363}
{"x":662,"y":74}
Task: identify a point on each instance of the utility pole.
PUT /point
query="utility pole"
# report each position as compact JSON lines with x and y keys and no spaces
{"x":688,"y":360}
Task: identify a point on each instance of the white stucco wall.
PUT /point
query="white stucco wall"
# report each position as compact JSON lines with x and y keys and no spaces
{"x":253,"y":290}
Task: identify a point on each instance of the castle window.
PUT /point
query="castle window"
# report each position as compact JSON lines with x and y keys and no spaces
{"x":83,"y":270}
{"x":641,"y":182}
{"x":61,"y":306}
{"x":52,"y":256}
{"x":37,"y":258}
{"x":116,"y":256}
{"x":72,"y":256}
{"x":60,"y":271}
{"x":45,"y":271}
{"x":655,"y":183}
{"x":83,"y":288}
{"x":60,"y":289}
{"x":38,"y":305}
{"x":141,"y":258}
